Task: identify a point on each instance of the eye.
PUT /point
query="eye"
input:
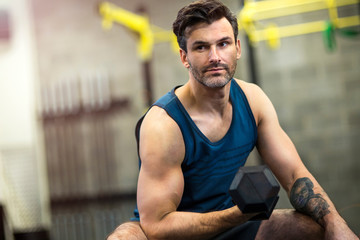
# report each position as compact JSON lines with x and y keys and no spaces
{"x":223,"y":44}
{"x":200,"y":48}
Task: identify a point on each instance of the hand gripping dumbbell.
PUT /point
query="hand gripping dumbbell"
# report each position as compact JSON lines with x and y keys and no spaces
{"x":254,"y":189}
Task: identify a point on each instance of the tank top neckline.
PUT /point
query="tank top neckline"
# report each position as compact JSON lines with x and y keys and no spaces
{"x":193,"y":124}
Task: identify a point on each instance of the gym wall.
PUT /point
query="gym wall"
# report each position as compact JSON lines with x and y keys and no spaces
{"x":24,"y":191}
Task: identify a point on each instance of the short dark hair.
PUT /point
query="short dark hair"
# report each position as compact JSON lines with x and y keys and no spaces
{"x":207,"y":11}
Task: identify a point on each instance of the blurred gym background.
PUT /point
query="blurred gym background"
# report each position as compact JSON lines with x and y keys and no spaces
{"x":75,"y":75}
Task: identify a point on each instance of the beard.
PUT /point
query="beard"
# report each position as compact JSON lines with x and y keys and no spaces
{"x":213,"y":80}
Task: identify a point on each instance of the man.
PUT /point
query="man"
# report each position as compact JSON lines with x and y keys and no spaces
{"x":193,"y":140}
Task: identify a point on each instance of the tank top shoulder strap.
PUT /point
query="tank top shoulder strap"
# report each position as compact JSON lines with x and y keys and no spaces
{"x":238,"y":96}
{"x":168,"y":102}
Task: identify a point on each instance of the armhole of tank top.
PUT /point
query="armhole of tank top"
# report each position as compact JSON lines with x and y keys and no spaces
{"x":162,"y":106}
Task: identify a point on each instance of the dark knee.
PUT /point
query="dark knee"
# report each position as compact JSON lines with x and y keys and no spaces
{"x":128,"y":231}
{"x":290,"y":224}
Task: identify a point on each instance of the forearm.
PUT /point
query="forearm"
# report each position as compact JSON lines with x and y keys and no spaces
{"x":308,"y":197}
{"x":311,"y":200}
{"x":188,"y":225}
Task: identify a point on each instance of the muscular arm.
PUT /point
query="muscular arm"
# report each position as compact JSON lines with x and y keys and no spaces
{"x":161,"y":184}
{"x":278,"y":151}
{"x":303,"y":198}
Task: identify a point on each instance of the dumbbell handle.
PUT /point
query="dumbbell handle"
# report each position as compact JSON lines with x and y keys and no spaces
{"x":265,"y":215}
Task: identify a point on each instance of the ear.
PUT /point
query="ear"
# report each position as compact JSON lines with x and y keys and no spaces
{"x":184,"y":59}
{"x":238,"y":49}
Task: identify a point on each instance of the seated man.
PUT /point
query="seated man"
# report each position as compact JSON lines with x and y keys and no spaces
{"x":193,"y":140}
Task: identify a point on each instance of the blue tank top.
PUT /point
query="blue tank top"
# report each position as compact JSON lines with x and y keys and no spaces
{"x":209,"y":167}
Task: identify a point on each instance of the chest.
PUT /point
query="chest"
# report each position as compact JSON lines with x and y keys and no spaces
{"x":213,"y":127}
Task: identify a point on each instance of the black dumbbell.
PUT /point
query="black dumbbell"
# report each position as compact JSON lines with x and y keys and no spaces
{"x":254,"y":189}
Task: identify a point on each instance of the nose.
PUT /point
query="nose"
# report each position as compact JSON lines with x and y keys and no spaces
{"x":214,"y":55}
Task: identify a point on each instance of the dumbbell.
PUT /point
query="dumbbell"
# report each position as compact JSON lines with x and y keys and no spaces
{"x":254,"y":189}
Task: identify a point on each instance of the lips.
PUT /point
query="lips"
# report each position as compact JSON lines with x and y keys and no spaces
{"x":214,"y":70}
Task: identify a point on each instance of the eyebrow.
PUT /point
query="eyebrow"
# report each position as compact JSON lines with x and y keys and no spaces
{"x":203,"y":42}
{"x":225,"y":39}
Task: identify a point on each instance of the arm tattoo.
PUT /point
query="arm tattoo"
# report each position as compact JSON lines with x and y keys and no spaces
{"x":303,"y":198}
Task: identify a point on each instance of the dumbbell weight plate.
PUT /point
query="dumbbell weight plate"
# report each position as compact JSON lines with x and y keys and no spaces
{"x":255,"y":189}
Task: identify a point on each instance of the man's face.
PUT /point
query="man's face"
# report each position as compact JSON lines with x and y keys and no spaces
{"x":212,"y":53}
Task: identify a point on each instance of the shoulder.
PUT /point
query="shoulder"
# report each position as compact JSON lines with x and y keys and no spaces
{"x":157,"y":119}
{"x":160,"y":136}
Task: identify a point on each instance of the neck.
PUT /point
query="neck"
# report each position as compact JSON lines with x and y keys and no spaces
{"x":194,"y":95}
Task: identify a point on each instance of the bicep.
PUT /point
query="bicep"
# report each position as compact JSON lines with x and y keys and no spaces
{"x":158,"y":194}
{"x":275,"y":146}
{"x":160,"y":183}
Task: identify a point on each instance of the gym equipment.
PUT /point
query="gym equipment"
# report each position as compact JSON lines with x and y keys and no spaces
{"x":254,"y":189}
{"x":254,"y":12}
